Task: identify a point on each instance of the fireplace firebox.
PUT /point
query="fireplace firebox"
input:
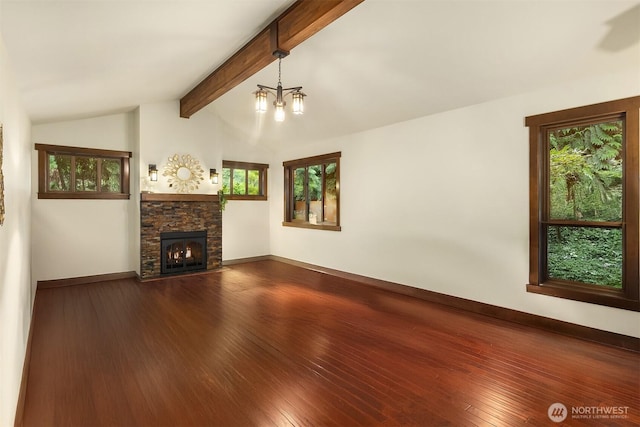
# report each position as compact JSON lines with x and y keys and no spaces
{"x":183,"y":251}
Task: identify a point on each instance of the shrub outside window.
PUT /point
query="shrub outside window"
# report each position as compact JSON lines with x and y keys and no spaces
{"x":82,"y":173}
{"x":312,"y":192}
{"x":584,"y":185}
{"x":244,"y":180}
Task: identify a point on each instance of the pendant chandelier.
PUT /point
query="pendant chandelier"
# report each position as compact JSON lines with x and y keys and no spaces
{"x":297,"y":97}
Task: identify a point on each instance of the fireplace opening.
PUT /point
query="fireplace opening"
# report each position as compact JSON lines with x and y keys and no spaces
{"x":183,"y":251}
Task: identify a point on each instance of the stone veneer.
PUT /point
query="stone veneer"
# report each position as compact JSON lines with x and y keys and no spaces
{"x":161,"y":213}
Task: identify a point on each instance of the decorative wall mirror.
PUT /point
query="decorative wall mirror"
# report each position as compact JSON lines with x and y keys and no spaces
{"x":184,"y":173}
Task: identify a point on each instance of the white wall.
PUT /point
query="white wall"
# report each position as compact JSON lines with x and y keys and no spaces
{"x":441,"y":203}
{"x":75,"y":238}
{"x":16,"y":292}
{"x":163,"y":133}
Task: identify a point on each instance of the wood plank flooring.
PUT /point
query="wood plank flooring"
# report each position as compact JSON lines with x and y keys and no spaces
{"x":271,"y":344}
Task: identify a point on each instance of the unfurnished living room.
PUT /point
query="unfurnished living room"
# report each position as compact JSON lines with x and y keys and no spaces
{"x":319,"y":213}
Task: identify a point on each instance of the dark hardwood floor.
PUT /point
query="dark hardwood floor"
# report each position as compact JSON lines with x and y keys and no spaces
{"x":270,"y":344}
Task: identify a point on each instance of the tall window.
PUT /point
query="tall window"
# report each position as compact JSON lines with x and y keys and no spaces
{"x":312,"y":192}
{"x":244,"y":181}
{"x":584,"y":180}
{"x":82,"y":173}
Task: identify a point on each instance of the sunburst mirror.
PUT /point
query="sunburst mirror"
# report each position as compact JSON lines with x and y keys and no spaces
{"x":184,"y":173}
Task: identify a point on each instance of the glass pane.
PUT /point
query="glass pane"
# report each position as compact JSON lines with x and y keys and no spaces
{"x":226,"y":180}
{"x":175,"y":255}
{"x":59,"y":172}
{"x":193,"y":254}
{"x":254,"y":182}
{"x":586,"y":172}
{"x":86,"y":173}
{"x":315,"y":182}
{"x":315,"y":194}
{"x":239,"y":184}
{"x":330,"y":194}
{"x":300,"y":207}
{"x":587,"y":255}
{"x":111,"y":175}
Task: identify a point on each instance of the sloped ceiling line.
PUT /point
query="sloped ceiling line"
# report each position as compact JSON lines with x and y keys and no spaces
{"x":295,"y":25}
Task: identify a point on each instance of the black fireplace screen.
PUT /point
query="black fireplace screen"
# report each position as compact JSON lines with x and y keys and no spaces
{"x":183,"y":251}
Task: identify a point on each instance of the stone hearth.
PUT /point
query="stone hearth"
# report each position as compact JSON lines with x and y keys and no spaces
{"x":162,"y":213}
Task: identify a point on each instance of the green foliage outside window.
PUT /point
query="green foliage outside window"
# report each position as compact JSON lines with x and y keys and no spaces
{"x":253,"y":182}
{"x":315,"y":189}
{"x":86,"y":173}
{"x":585,"y":169}
{"x":586,"y":172}
{"x":226,"y":180}
{"x":241,"y":186}
{"x":82,"y":173}
{"x":315,"y":192}
{"x":245,"y":180}
{"x":586,"y":255}
{"x":298,"y":185}
{"x":59,"y":172}
{"x":111,"y":175}
{"x":239,"y":183}
{"x":311,"y":192}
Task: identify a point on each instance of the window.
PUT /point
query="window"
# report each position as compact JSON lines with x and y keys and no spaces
{"x":82,"y":173}
{"x":583,"y":184}
{"x":244,"y":181}
{"x":312,"y":192}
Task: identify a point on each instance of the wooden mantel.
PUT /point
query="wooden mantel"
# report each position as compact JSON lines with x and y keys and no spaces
{"x":170,"y":197}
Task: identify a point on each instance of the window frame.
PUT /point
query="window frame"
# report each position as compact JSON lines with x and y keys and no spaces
{"x":247,"y":166}
{"x":289,"y":180}
{"x":44,"y":150}
{"x":628,"y":297}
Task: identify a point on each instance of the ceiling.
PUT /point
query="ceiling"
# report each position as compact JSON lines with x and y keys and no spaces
{"x":383,"y":62}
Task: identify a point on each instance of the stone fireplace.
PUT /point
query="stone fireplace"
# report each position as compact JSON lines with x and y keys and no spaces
{"x":170,"y":226}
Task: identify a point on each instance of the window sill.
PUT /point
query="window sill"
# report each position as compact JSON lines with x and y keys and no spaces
{"x":607,"y":297}
{"x":88,"y":195}
{"x":300,"y":224}
{"x":244,"y":197}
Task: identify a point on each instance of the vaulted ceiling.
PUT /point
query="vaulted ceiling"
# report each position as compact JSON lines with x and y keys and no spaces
{"x":383,"y":62}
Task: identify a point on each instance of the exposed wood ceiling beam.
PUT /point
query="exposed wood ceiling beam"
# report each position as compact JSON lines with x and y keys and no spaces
{"x":302,"y":20}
